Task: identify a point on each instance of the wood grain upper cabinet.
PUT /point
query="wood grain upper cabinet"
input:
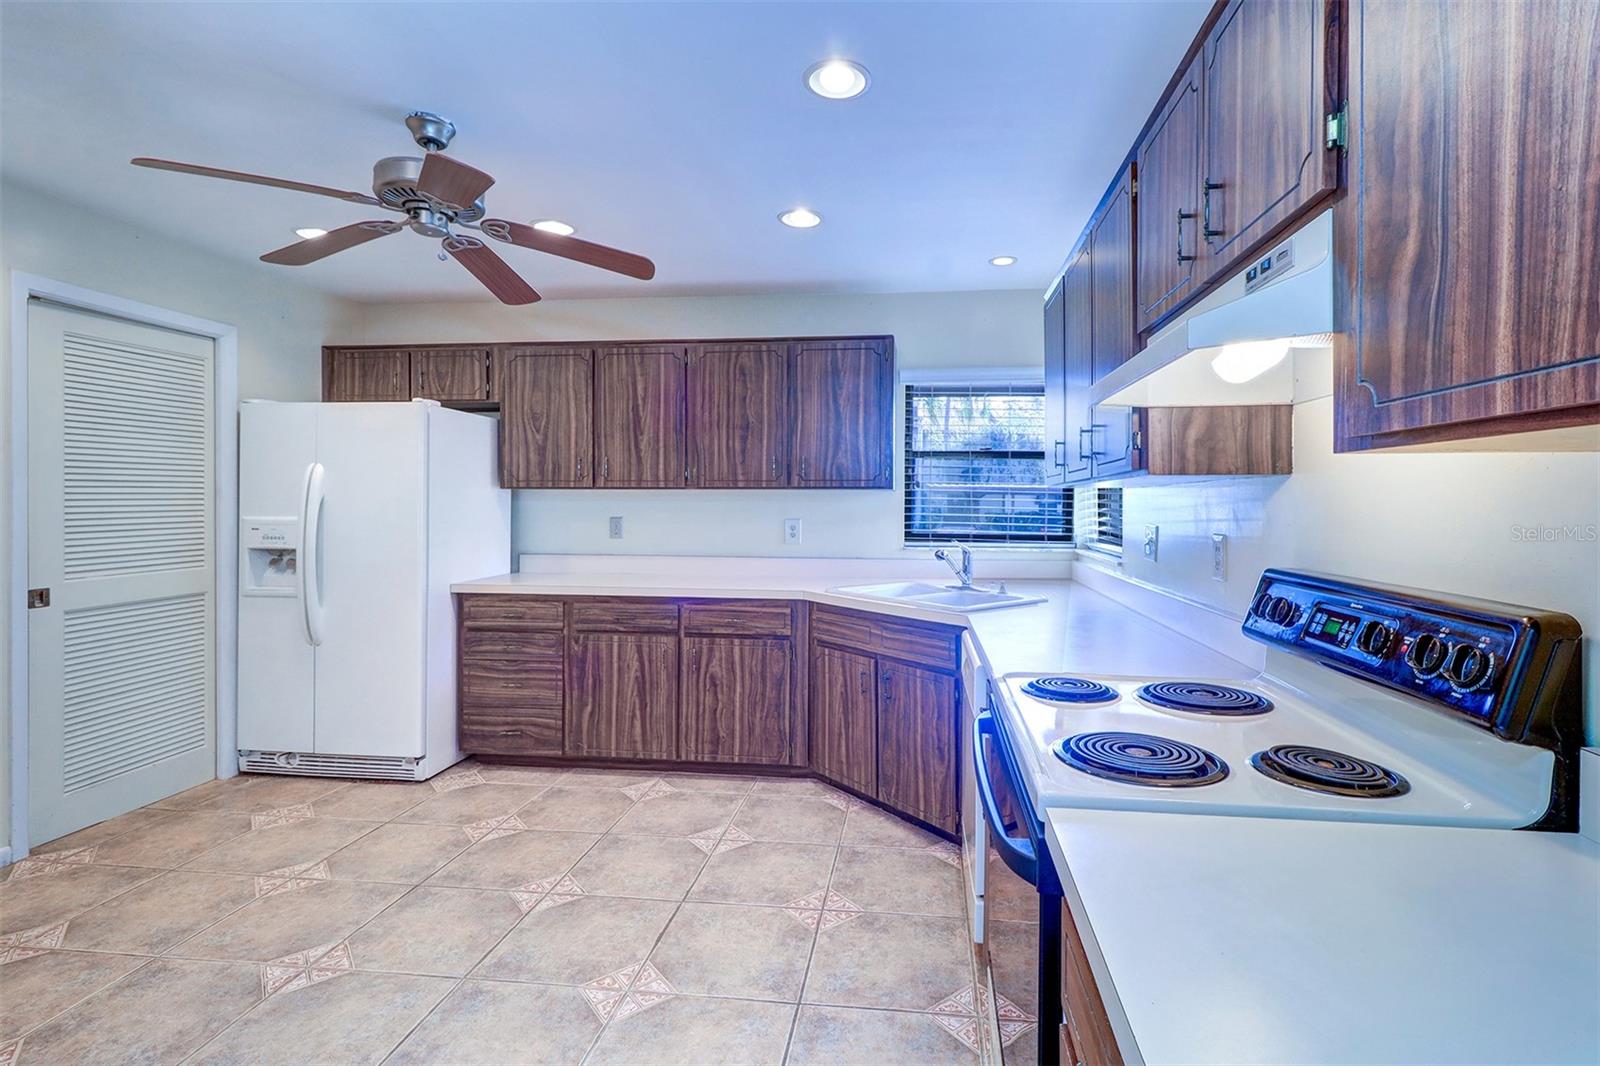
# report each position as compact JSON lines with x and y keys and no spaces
{"x":843,"y":413}
{"x":1168,"y":165}
{"x":451,"y":375}
{"x":639,"y":411}
{"x":1471,"y":263}
{"x":917,"y":747}
{"x":366,"y":374}
{"x":1078,"y":367}
{"x":736,"y":702}
{"x":739,"y":414}
{"x":1055,"y":386}
{"x":1111,"y":324}
{"x":844,"y":741}
{"x":1267,"y":91}
{"x":623,"y":695}
{"x":546,"y":424}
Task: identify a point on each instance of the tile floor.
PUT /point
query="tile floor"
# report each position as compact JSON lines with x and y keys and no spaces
{"x":491,"y":915}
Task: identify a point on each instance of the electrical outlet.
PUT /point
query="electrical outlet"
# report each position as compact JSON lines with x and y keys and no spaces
{"x":791,"y":531}
{"x":1219,"y":557}
{"x":1151,"y":533}
{"x":616,"y":527}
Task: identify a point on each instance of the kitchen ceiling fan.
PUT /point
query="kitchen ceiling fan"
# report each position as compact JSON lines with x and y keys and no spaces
{"x":438,"y":196}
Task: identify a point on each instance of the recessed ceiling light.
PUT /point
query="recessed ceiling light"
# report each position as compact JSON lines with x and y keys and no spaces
{"x":310,"y":232}
{"x":1002,"y":260}
{"x":800,"y":218}
{"x":550,"y":225}
{"x":837,"y":79}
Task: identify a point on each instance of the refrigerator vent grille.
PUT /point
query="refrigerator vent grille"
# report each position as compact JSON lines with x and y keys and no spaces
{"x":310,"y":764}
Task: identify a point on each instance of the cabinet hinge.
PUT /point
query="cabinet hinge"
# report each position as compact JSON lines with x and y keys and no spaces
{"x":1138,"y":440}
{"x":1338,"y":129}
{"x":1133,"y":187}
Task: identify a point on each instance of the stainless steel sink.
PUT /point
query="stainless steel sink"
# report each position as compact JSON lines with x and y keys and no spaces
{"x":951,"y":598}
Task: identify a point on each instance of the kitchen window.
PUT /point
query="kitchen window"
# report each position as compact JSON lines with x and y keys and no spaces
{"x":1102,"y":527}
{"x":975,"y":468}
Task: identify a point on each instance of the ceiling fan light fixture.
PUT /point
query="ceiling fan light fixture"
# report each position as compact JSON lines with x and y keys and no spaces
{"x":837,"y":79}
{"x":800,"y":218}
{"x":554,"y":225}
{"x":1003,"y":260}
{"x":310,"y":233}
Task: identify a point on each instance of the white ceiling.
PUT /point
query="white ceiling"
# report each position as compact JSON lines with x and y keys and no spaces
{"x":678,"y":131}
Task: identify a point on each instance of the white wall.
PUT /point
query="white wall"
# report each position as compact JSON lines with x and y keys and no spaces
{"x":931,"y":331}
{"x":282,"y":325}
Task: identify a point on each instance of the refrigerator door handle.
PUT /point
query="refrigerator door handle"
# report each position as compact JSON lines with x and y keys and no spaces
{"x":310,"y":526}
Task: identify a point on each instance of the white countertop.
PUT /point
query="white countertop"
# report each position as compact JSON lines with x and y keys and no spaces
{"x":1265,"y":940}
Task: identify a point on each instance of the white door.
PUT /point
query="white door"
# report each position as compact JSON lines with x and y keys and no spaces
{"x":121,"y":663}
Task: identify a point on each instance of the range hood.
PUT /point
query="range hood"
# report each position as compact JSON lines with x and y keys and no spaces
{"x":1282,"y":299}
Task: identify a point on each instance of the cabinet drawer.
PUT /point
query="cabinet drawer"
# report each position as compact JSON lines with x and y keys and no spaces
{"x":510,"y":732}
{"x":853,"y":631}
{"x":510,"y":644}
{"x":654,"y":616}
{"x":927,"y":644}
{"x":753,"y":619}
{"x":509,"y":612}
{"x":512,"y":683}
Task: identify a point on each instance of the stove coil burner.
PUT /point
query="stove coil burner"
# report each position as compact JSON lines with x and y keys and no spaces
{"x":1321,"y":770}
{"x":1197,"y":697}
{"x":1069,"y":690}
{"x":1141,"y":759}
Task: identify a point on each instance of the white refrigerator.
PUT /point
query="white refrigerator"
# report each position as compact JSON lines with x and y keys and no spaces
{"x":354,"y":520}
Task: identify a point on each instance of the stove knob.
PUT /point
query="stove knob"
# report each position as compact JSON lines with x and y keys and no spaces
{"x":1263,"y":601}
{"x":1469,"y":668}
{"x":1282,"y":610}
{"x":1375,"y":638}
{"x":1426,"y":655}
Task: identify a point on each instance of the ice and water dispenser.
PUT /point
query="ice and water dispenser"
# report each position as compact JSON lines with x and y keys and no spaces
{"x":271,"y":550}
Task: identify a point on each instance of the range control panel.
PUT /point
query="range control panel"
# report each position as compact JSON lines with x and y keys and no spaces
{"x":1486,"y":662}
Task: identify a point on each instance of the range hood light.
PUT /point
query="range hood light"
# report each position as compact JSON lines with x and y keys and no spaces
{"x":1246,"y":360}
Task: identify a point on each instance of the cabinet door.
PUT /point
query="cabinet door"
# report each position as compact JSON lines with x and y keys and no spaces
{"x":917,"y":742}
{"x":623,"y":695}
{"x":1168,"y":164}
{"x":546,"y":418}
{"x":1055,"y":385}
{"x":843,"y":414}
{"x":739,"y":415}
{"x":1078,"y":367}
{"x":1111,"y":329}
{"x":1470,"y":260}
{"x":451,"y":375}
{"x":736,"y":705}
{"x":639,"y":417}
{"x":1266,"y":100}
{"x":844,"y":742}
{"x":362,"y":375}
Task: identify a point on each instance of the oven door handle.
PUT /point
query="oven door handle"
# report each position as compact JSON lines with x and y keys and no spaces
{"x":1021,"y":854}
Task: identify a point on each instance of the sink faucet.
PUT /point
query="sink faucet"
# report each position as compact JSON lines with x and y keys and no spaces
{"x":963,"y":569}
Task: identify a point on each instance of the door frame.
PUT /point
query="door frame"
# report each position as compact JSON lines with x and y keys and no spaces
{"x":225,"y":436}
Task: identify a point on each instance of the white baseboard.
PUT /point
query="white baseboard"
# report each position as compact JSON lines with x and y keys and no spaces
{"x":5,"y":856}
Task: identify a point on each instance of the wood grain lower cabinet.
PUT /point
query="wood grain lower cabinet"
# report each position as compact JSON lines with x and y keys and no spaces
{"x":623,"y":695}
{"x":917,"y":748}
{"x":844,"y":711}
{"x":546,"y":418}
{"x":1086,"y":1035}
{"x":736,"y":704}
{"x":511,"y":675}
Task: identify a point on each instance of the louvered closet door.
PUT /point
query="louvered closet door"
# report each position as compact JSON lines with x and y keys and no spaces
{"x":121,"y":664}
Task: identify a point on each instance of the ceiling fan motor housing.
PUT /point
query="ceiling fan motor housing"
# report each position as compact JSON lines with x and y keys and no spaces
{"x":431,"y":132}
{"x":394,"y":183}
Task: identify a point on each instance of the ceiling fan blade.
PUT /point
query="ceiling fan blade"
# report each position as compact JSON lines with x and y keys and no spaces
{"x":495,"y":273}
{"x":253,"y":179}
{"x":635,"y":266}
{"x":451,"y":182}
{"x":313,"y":248}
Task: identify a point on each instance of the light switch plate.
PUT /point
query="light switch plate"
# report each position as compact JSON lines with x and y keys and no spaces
{"x":1219,"y":557}
{"x":1151,"y":534}
{"x":791,"y":531}
{"x":616,"y":527}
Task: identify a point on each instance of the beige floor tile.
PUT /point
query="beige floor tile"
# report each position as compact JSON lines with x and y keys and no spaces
{"x":496,"y":1022}
{"x":400,"y":852}
{"x":764,"y":872}
{"x":845,"y":1036}
{"x":691,"y":1031}
{"x":522,"y":775}
{"x":35,"y":989}
{"x":905,"y":961}
{"x":578,"y":941}
{"x":46,"y":898}
{"x":652,"y":867}
{"x":909,"y":880}
{"x":474,"y":803}
{"x":277,"y":846}
{"x":1023,"y":1048}
{"x":190,"y":798}
{"x":580,"y":810}
{"x":372,"y":801}
{"x":442,"y":931}
{"x":253,"y":793}
{"x":715,"y":949}
{"x":797,"y":786}
{"x":869,"y":825}
{"x":678,"y":814}
{"x":801,"y":819}
{"x":515,"y":859}
{"x":351,"y":1018}
{"x":285,"y":922}
{"x":160,"y":913}
{"x":174,"y":840}
{"x":159,"y":1013}
{"x":733,"y":783}
{"x":581,"y":778}
{"x":100,"y":832}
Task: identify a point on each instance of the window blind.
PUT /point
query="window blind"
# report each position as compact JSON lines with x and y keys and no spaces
{"x":975,"y":467}
{"x":1104,"y":532}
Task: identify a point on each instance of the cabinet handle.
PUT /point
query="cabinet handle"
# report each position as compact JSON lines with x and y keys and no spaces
{"x":1182,"y":214}
{"x":888,"y":691}
{"x":580,"y":468}
{"x":605,"y":468}
{"x":866,"y":683}
{"x":694,"y":659}
{"x":1085,"y":430}
{"x":774,"y":468}
{"x":1061,"y":453}
{"x":1206,"y":188}
{"x":805,"y":467}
